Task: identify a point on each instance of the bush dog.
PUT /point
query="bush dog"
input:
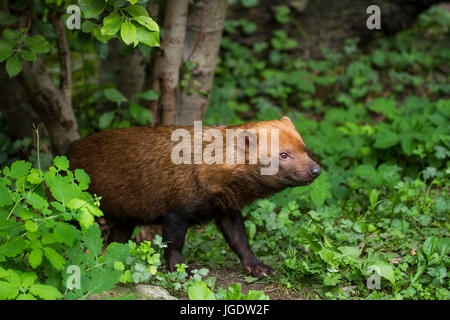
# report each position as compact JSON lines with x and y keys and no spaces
{"x":134,"y":172}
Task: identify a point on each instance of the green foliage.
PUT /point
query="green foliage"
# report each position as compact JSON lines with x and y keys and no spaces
{"x":38,"y":238}
{"x":379,"y":123}
{"x":125,"y":20}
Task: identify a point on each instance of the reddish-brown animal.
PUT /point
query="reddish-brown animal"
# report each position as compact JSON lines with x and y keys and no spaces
{"x":132,"y":170}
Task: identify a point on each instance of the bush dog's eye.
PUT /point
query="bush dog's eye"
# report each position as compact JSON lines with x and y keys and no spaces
{"x":283,"y":155}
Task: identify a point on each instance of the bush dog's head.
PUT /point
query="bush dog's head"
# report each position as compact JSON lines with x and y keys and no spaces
{"x":293,"y":165}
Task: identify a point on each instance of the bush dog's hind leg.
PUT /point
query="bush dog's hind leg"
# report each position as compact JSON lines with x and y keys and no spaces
{"x":232,"y":226}
{"x":120,"y":233}
{"x":174,"y":230}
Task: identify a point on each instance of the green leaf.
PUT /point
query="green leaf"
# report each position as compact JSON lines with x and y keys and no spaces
{"x":45,"y":292}
{"x":384,"y":106}
{"x":114,"y":95}
{"x":200,"y":291}
{"x":37,"y":44}
{"x":140,"y":114}
{"x":128,"y":33}
{"x":384,"y":270}
{"x":6,"y":49}
{"x":147,"y":22}
{"x":234,"y":292}
{"x":111,"y":24}
{"x":105,"y":119}
{"x":88,"y":26}
{"x":35,"y":257}
{"x":55,"y":259}
{"x":83,"y":179}
{"x":92,"y":8}
{"x":66,"y":233}
{"x":13,"y":248}
{"x":148,"y":38}
{"x":61,"y":163}
{"x":5,"y":196}
{"x":8,"y":291}
{"x":149,"y":95}
{"x":101,"y":37}
{"x":86,"y":219}
{"x":27,"y":55}
{"x":430,"y":246}
{"x":37,"y":201}
{"x":93,"y":240}
{"x":19,"y":169}
{"x":13,"y":66}
{"x":255,"y":295}
{"x":386,"y":139}
{"x":118,"y":265}
{"x":31,"y":226}
{"x":137,"y":11}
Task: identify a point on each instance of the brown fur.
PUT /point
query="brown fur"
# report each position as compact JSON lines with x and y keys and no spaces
{"x":131,"y":169}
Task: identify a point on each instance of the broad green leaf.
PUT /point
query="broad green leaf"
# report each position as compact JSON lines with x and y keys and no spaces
{"x":61,"y":163}
{"x":149,"y":95}
{"x":45,"y":292}
{"x":128,"y":33}
{"x":55,"y":259}
{"x":19,"y":169}
{"x":137,"y":11}
{"x":141,"y":115}
{"x":200,"y":291}
{"x":384,"y":270}
{"x":105,"y":119}
{"x":111,"y":24}
{"x":147,"y":22}
{"x":37,"y":44}
{"x":13,"y":66}
{"x":35,"y":257}
{"x":86,"y":219}
{"x":31,"y":226}
{"x":114,"y":95}
{"x":93,"y":240}
{"x":27,"y":55}
{"x":8,"y":291}
{"x":234,"y":292}
{"x":66,"y":233}
{"x":13,"y":248}
{"x":149,"y":38}
{"x":103,"y":38}
{"x":384,"y":106}
{"x":386,"y":139}
{"x":6,"y":49}
{"x":83,"y":179}
{"x":37,"y":201}
{"x":255,"y":295}
{"x":5,"y":196}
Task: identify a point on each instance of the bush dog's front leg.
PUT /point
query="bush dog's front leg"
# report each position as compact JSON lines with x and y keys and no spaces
{"x":174,"y":230}
{"x":232,"y":226}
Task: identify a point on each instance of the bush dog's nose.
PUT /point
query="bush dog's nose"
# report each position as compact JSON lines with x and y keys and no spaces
{"x":315,"y":171}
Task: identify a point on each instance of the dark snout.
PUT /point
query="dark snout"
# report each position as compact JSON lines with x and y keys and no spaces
{"x":314,"y":171}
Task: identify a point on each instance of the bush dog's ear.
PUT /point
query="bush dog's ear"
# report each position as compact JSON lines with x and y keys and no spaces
{"x":286,"y":119}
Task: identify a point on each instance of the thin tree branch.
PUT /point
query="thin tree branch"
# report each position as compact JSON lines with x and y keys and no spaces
{"x":64,"y":57}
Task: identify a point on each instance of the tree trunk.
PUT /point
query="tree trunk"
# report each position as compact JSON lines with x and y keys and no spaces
{"x":51,"y":105}
{"x":16,"y":111}
{"x":204,"y":31}
{"x":168,"y":61}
